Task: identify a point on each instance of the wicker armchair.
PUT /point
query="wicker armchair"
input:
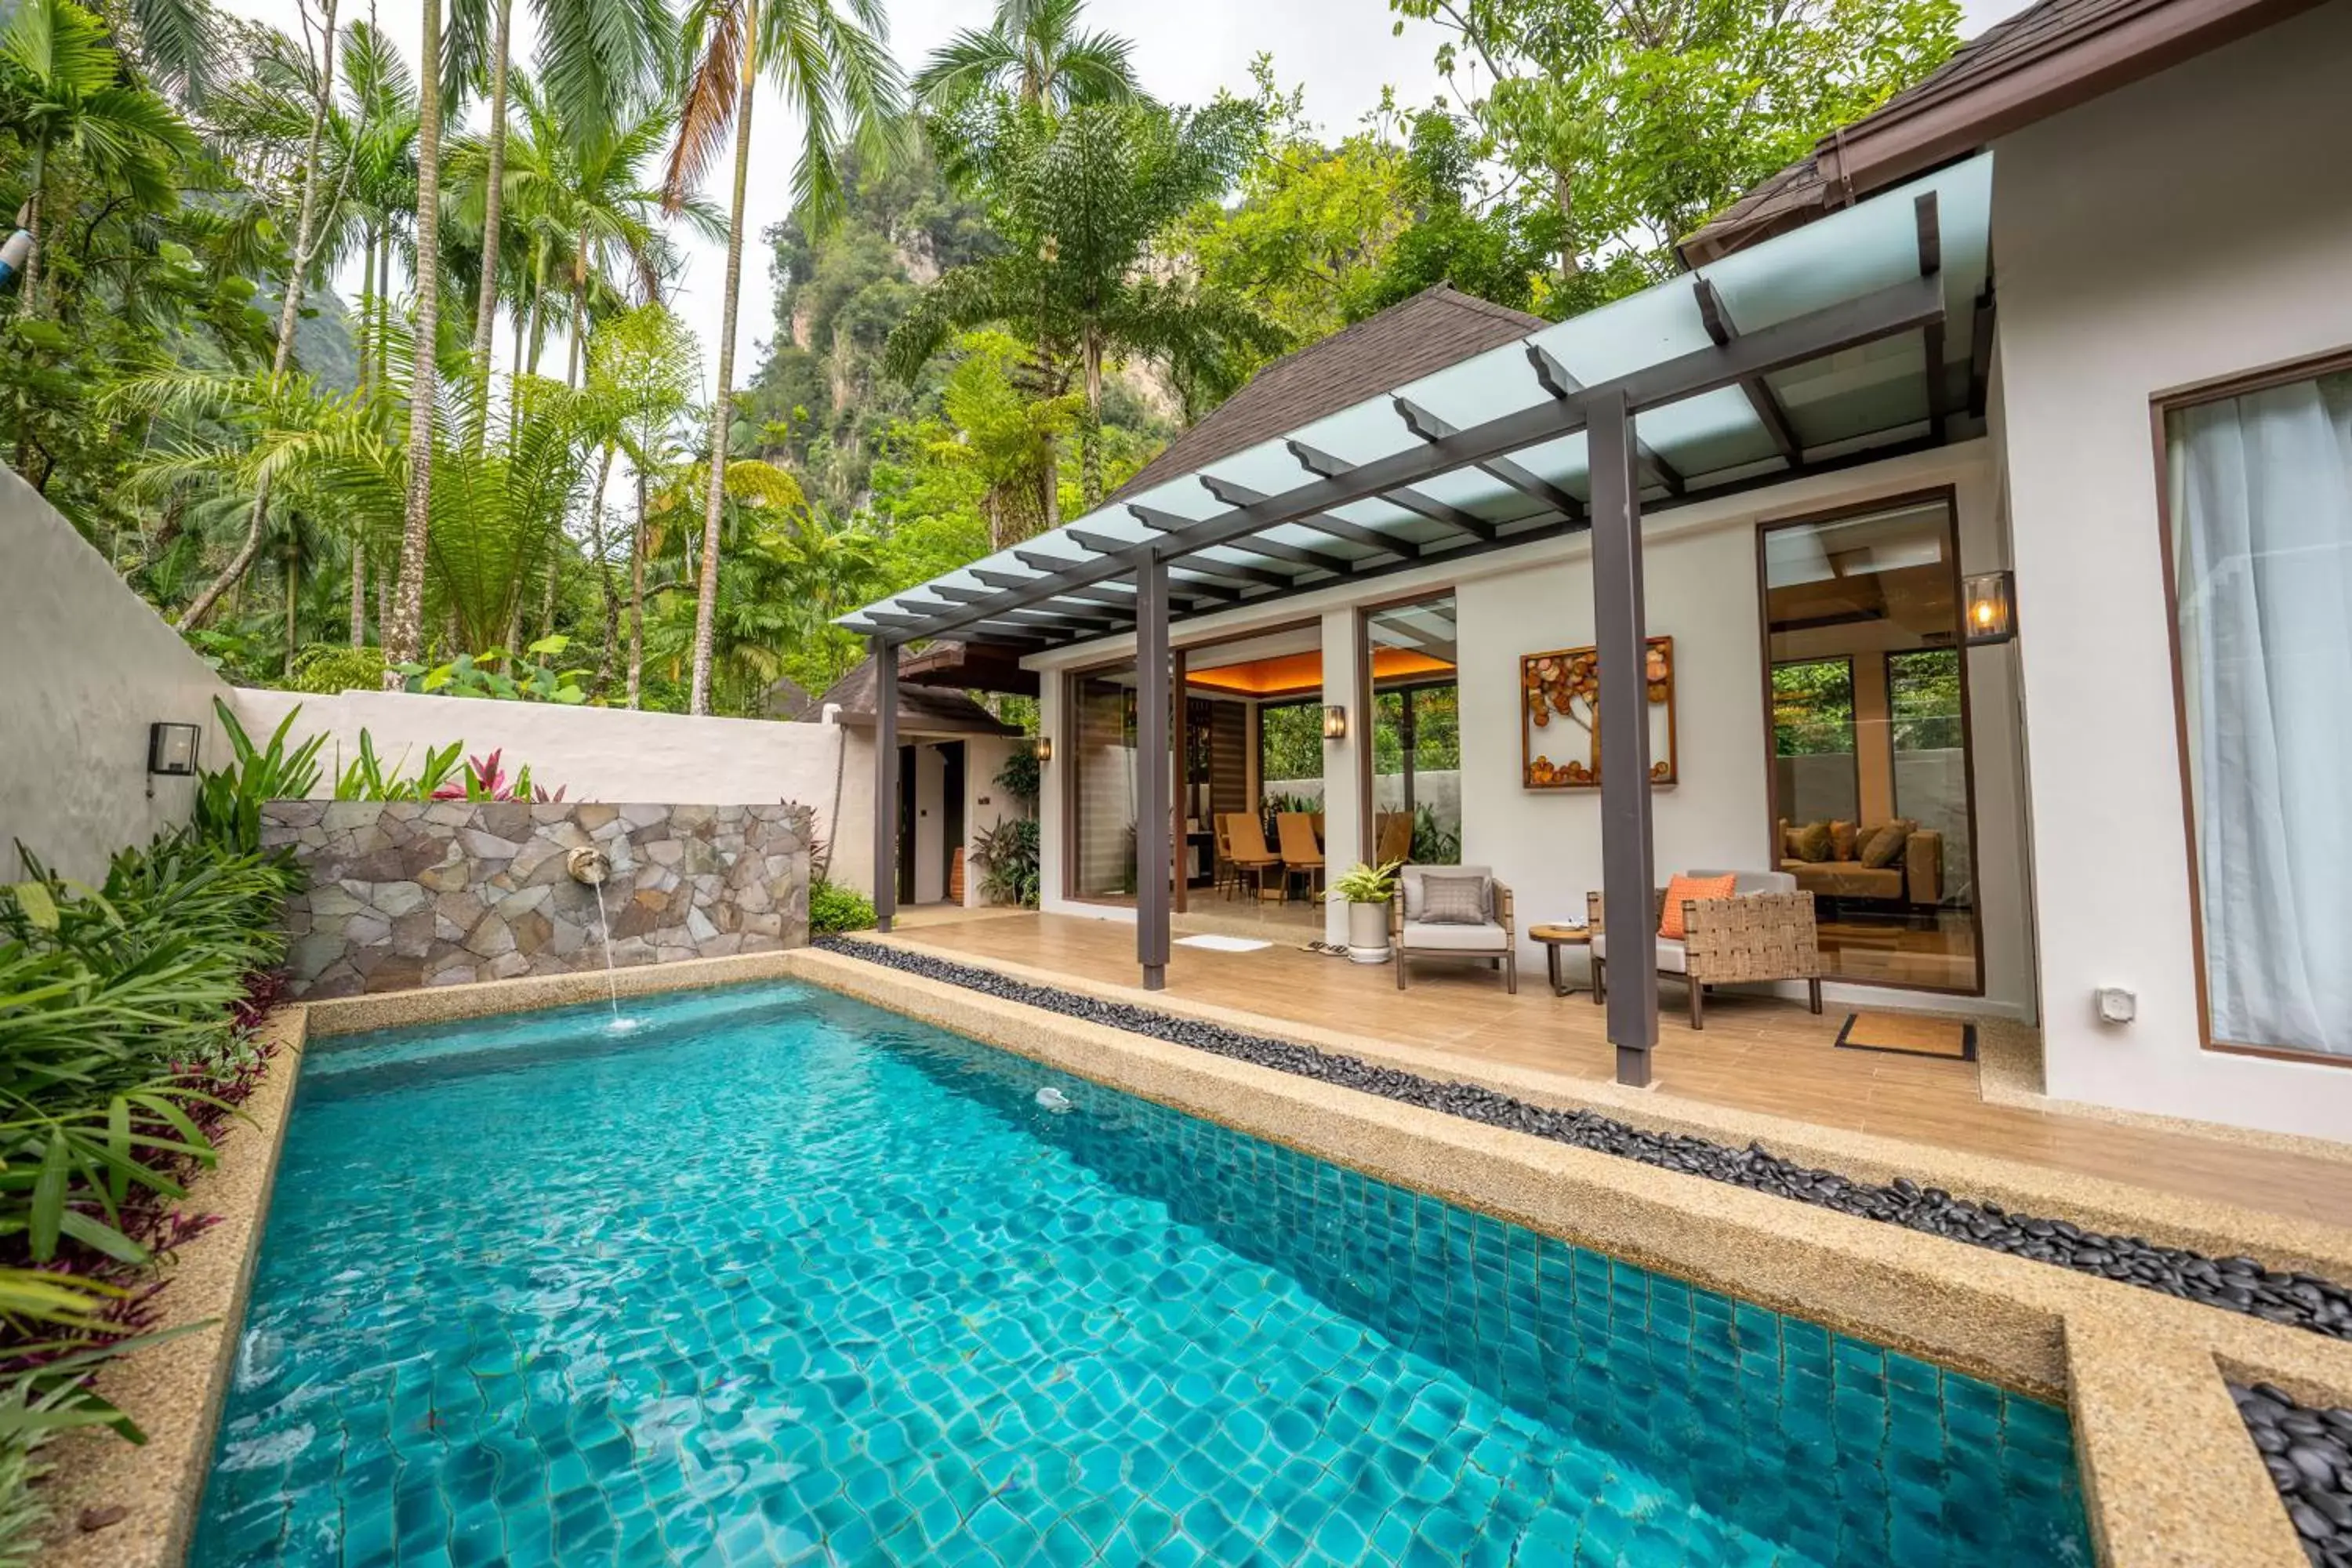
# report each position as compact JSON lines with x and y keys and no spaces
{"x":1763,"y":931}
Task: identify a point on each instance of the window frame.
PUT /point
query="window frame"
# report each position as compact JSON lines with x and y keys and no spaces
{"x":2162,"y":405}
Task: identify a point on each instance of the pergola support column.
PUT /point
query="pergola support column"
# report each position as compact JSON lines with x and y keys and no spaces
{"x":886,"y":783}
{"x":1627,"y":881}
{"x":1153,"y":775}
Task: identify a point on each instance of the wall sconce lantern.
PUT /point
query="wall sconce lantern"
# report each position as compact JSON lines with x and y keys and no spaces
{"x":1042,"y":748}
{"x":1989,"y":608}
{"x":1335,"y":722}
{"x":171,"y":753}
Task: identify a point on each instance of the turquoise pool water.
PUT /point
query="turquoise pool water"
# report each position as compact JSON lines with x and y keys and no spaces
{"x":777,"y":1278}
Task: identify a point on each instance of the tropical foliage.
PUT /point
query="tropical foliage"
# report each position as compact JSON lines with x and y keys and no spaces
{"x":124,"y":1011}
{"x":1009,"y":276}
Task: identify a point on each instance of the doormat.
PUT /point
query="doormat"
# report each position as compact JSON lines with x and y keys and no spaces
{"x":1223,"y":944}
{"x":1904,"y":1034}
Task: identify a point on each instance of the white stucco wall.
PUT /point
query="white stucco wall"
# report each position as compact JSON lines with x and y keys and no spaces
{"x":85,"y":668}
{"x":593,"y":753}
{"x":2196,"y":225}
{"x":984,"y":804}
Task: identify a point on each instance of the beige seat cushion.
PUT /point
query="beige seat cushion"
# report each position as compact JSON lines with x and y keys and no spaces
{"x":1455,"y":938}
{"x":1671,"y":959}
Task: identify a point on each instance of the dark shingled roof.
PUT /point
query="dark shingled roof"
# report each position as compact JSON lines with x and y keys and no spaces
{"x":922,"y":710}
{"x":1416,"y":337}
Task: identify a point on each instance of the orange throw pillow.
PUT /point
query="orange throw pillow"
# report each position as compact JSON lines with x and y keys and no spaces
{"x":1697,"y":889}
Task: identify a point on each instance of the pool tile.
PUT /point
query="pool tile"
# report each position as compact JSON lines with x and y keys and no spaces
{"x":827,"y":1287}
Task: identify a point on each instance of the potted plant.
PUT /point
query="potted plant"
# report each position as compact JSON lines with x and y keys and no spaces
{"x":1367,"y":890}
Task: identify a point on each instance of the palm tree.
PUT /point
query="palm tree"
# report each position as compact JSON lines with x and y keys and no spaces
{"x":580,"y":195}
{"x":1079,"y":200}
{"x":1034,"y":51}
{"x":308,"y":235}
{"x":832,"y":66}
{"x":72,"y":100}
{"x":641,"y":372}
{"x":403,"y":639}
{"x":597,"y":58}
{"x":375,"y":135}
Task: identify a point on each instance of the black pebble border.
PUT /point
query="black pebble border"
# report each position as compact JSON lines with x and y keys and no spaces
{"x":2309,"y":1456}
{"x":2236,"y":1284}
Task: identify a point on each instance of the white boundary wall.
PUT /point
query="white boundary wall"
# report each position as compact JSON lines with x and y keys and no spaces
{"x":593,"y":753}
{"x":85,"y":666}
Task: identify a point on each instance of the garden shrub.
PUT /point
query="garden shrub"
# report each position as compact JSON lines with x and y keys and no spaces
{"x":124,"y":1051}
{"x":833,"y":908}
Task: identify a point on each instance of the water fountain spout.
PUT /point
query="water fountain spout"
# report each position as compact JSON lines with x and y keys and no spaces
{"x":591,"y":866}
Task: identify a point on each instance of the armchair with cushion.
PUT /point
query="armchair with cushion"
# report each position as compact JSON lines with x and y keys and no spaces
{"x":1453,"y":911}
{"x":1764,"y":930}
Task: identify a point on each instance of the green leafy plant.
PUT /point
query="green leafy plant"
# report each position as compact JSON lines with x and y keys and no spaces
{"x":1021,"y":775}
{"x":1007,"y":854}
{"x":325,"y":668}
{"x":229,"y":800}
{"x":494,"y":673}
{"x":1365,"y":884}
{"x":366,"y":778}
{"x":1432,"y":843}
{"x":833,"y":908}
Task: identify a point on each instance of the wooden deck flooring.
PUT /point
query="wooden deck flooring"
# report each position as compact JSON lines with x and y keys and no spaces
{"x":1754,"y":1055}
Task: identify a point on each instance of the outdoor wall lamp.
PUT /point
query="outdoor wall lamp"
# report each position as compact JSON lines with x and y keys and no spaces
{"x":171,"y":753}
{"x":1990,"y":608}
{"x":1335,"y":722}
{"x":1042,"y":748}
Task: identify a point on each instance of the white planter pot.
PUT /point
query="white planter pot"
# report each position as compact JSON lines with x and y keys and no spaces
{"x":1367,"y":933}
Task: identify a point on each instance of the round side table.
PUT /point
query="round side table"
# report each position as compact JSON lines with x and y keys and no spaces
{"x":1554,"y":938}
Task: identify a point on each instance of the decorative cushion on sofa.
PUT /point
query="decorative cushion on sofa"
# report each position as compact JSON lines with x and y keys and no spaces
{"x":1842,"y":841}
{"x":1453,"y":900}
{"x":1814,"y":841}
{"x":1680,"y":888}
{"x":1884,"y":846}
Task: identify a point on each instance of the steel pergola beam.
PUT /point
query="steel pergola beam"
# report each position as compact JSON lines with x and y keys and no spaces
{"x":1428,"y":427}
{"x":1556,"y":381}
{"x":1900,"y":308}
{"x":1931,"y":264}
{"x":1761,"y":395}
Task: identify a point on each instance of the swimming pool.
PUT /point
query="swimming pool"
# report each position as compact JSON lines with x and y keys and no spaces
{"x":777,"y":1277}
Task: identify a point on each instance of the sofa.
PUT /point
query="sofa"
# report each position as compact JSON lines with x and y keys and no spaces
{"x":1915,"y":875}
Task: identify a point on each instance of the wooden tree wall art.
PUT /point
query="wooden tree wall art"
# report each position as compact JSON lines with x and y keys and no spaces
{"x":1560,"y":729}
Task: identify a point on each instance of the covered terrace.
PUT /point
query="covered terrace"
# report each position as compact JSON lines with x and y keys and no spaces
{"x":1853,"y":340}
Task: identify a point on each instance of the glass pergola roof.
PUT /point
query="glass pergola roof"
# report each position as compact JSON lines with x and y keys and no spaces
{"x":1864,"y":332}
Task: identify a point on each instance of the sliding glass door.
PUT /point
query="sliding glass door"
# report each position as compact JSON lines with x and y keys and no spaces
{"x":1869,"y":769}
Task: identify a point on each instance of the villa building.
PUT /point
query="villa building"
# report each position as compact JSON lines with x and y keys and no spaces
{"x":1977,"y":512}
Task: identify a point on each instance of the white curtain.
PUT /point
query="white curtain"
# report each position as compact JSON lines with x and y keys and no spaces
{"x":2261,"y":518}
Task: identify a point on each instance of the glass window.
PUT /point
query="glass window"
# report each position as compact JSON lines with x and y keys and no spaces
{"x":1102,"y":748}
{"x":1416,"y":750}
{"x":1812,"y":739}
{"x":2259,"y":512}
{"x":1870,"y":762}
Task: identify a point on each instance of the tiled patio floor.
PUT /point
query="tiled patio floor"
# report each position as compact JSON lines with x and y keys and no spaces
{"x":1755,"y":1055}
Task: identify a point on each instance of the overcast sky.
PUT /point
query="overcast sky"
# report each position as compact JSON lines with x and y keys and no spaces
{"x":1342,"y":51}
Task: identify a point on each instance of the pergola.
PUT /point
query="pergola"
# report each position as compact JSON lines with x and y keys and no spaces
{"x":1866,"y":333}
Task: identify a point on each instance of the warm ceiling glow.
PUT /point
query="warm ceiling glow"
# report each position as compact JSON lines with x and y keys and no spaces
{"x":1298,"y":674}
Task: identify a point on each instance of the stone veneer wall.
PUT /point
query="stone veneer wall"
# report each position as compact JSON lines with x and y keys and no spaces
{"x":410,"y":893}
